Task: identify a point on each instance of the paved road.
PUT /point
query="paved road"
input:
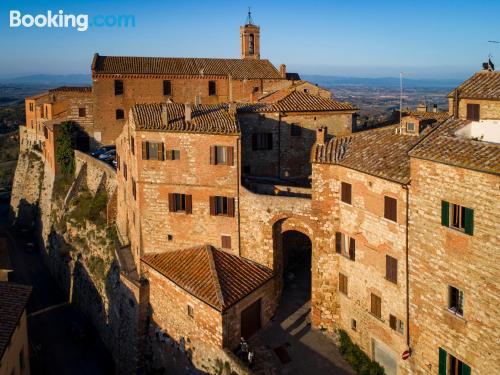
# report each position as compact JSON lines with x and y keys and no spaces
{"x":55,"y":349}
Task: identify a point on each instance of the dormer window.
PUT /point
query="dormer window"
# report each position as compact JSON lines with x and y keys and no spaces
{"x":410,"y":127}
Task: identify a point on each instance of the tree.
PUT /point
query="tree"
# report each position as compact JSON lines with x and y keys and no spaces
{"x":65,"y":155}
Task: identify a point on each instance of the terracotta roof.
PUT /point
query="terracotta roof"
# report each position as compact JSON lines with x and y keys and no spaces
{"x":444,"y":146}
{"x":380,"y":152}
{"x":13,"y":300}
{"x":482,"y":85}
{"x":214,"y":276}
{"x":236,"y":68}
{"x":420,"y":115}
{"x":84,"y":89}
{"x":290,"y":100}
{"x":170,"y":117}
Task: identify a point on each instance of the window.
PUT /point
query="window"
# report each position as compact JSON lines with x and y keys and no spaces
{"x":223,"y":206}
{"x":251,"y":44}
{"x":345,"y":245}
{"x":256,"y":89}
{"x":170,"y":237}
{"x":410,"y":127}
{"x":450,"y":365}
{"x":120,"y":114}
{"x":354,"y":324}
{"x":212,"y":88}
{"x":31,"y":107}
{"x":473,"y":112}
{"x":134,"y":189}
{"x":226,"y":242}
{"x":118,"y":87}
{"x":117,"y":161}
{"x":376,"y":305}
{"x":173,"y":154}
{"x":390,"y":208}
{"x":343,"y":283}
{"x":396,"y":324}
{"x":456,"y":301}
{"x":295,"y":130}
{"x":82,"y":112}
{"x":152,"y":151}
{"x":180,"y":202}
{"x":125,"y":171}
{"x":132,"y":145}
{"x":346,"y":193}
{"x":190,"y":311}
{"x":391,"y":269}
{"x":167,"y":88}
{"x":457,"y":217}
{"x":222,"y":155}
{"x":262,"y":141}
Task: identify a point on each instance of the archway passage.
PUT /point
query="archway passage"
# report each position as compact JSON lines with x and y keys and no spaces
{"x":297,"y":251}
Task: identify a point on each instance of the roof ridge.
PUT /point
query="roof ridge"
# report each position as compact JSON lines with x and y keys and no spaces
{"x":215,"y":274}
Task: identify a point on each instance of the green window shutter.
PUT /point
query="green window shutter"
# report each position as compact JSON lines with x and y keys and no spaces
{"x":469,"y":221}
{"x":445,"y":213}
{"x":465,"y":369}
{"x":442,"y":362}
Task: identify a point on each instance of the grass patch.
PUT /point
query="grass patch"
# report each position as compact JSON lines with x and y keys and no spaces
{"x":90,"y":208}
{"x":359,"y":361}
{"x":62,"y":184}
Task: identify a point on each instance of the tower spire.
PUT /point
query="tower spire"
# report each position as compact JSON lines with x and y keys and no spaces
{"x":249,"y":17}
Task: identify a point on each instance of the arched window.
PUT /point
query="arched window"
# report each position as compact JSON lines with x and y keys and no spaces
{"x":251,"y":40}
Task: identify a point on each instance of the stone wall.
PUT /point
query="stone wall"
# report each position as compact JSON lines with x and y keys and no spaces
{"x":441,"y":257}
{"x":489,"y":109}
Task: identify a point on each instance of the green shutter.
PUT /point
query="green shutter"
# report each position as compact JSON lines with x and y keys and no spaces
{"x":469,"y":221}
{"x":465,"y":369}
{"x":445,"y":213}
{"x":442,"y":362}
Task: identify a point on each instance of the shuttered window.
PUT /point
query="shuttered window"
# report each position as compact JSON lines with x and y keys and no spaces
{"x":473,"y":112}
{"x":391,"y":269}
{"x":173,"y":154}
{"x":456,"y":301}
{"x":457,"y":217}
{"x":222,"y":155}
{"x":345,"y":245}
{"x":134,"y":189}
{"x":82,"y":112}
{"x":262,"y":141}
{"x":152,"y":151}
{"x":442,"y":361}
{"x":393,"y":322}
{"x":390,"y":208}
{"x":343,"y":283}
{"x":180,"y":203}
{"x":125,"y":171}
{"x":226,"y":242}
{"x":221,"y":206}
{"x":450,"y":365}
{"x":132,"y":145}
{"x":376,"y":305}
{"x":346,"y":193}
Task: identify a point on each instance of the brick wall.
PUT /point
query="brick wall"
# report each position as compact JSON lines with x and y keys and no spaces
{"x":441,"y":256}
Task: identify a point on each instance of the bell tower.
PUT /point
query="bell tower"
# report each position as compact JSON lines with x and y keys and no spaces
{"x":250,"y":39}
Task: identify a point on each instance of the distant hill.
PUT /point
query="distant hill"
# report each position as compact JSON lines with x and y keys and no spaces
{"x":323,"y":80}
{"x":51,"y":80}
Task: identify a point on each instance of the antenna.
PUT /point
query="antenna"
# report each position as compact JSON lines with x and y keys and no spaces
{"x":490,"y":43}
{"x":400,"y":97}
{"x":249,"y":17}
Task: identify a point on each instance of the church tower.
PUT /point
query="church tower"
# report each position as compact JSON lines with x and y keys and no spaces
{"x":250,"y":39}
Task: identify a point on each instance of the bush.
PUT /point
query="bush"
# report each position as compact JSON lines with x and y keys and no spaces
{"x":90,"y":208}
{"x":96,"y":267}
{"x":65,"y":155}
{"x":359,"y":361}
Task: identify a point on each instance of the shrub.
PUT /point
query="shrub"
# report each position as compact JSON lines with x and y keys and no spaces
{"x":96,"y":267}
{"x":90,"y":208}
{"x":65,"y":155}
{"x":359,"y":361}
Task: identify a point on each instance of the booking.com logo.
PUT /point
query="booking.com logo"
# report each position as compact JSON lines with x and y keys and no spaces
{"x":80,"y":22}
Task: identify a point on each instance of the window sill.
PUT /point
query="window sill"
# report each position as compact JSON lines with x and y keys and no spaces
{"x":458,"y":230}
{"x":391,"y":281}
{"x":376,"y":317}
{"x":347,"y":204}
{"x":456,"y":315}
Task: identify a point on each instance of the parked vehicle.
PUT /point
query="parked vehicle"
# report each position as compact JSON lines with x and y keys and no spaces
{"x":107,"y":155}
{"x":102,"y":150}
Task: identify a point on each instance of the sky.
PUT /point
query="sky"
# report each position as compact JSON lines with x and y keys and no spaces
{"x":363,"y":38}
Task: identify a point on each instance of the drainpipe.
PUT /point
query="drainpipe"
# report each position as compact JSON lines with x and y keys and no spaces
{"x":279,"y":145}
{"x":406,"y":187}
{"x":238,"y":166}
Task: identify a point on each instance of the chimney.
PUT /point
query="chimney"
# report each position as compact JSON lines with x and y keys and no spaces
{"x":283,"y":71}
{"x":187,"y":112}
{"x":197,"y":100}
{"x":434,"y":108}
{"x":321,"y":133}
{"x":422,"y":107}
{"x":164,"y":116}
{"x":232,"y":108}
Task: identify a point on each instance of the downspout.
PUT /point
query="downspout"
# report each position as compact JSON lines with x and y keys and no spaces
{"x":238,"y":166}
{"x":279,"y":145}
{"x":406,"y":187}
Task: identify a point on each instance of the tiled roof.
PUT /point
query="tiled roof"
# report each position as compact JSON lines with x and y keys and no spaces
{"x":380,"y":152}
{"x":87,"y":89}
{"x":444,"y":146}
{"x":13,"y":300}
{"x":236,"y":68}
{"x":290,"y":100}
{"x":482,"y":85}
{"x":214,"y":276}
{"x":170,"y":117}
{"x":421,"y":115}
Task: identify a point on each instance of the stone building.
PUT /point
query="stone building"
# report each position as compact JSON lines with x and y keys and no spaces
{"x":453,"y":248}
{"x":14,"y":348}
